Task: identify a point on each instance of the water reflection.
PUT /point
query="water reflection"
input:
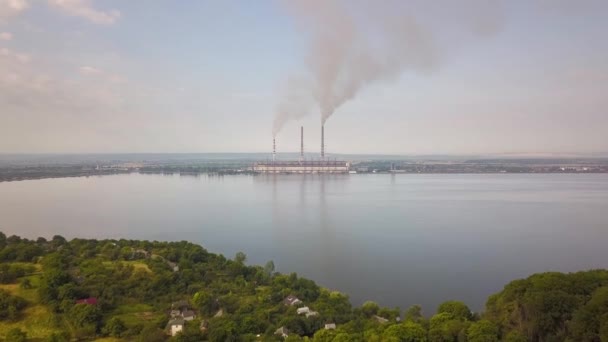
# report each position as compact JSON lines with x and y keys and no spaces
{"x":397,"y":239}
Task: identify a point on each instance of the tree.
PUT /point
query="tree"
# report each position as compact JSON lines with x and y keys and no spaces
{"x":222,"y":329}
{"x":405,"y":332}
{"x":240,"y":258}
{"x":482,"y":331}
{"x":457,"y":309}
{"x":589,"y":320}
{"x":324,"y":335}
{"x":370,"y":308}
{"x":413,"y":314}
{"x":269,"y":268}
{"x":203,"y":301}
{"x":58,"y":240}
{"x":115,"y":327}
{"x":443,"y":327}
{"x":16,"y":335}
{"x":151,"y":333}
{"x":10,"y":306}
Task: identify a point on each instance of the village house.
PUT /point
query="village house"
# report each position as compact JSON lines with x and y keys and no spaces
{"x":311,"y":313}
{"x":173,"y":266}
{"x":175,"y":326}
{"x":303,"y":310}
{"x":140,"y":253}
{"x":292,"y":300}
{"x":188,"y":315}
{"x":330,"y":326}
{"x":282,"y":331}
{"x":380,"y":319}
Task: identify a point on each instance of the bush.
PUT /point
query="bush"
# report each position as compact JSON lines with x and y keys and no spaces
{"x":16,"y":335}
{"x":10,"y":306}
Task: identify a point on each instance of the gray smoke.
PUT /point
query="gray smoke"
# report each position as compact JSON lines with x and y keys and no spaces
{"x":357,"y":43}
{"x":352,"y":44}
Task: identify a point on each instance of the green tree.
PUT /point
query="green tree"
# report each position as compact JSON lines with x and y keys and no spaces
{"x":443,"y":327}
{"x":222,"y":329}
{"x":589,"y":320}
{"x":370,"y":308}
{"x":269,"y":268}
{"x":456,"y":309}
{"x":10,"y":306}
{"x":151,"y":333}
{"x":115,"y":327}
{"x":413,"y":313}
{"x":324,"y":335}
{"x":240,"y":257}
{"x":482,"y":331}
{"x":405,"y":332}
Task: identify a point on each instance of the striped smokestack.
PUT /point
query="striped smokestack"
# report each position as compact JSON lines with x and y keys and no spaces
{"x":274,"y":149}
{"x":301,"y":143}
{"x":322,"y":142}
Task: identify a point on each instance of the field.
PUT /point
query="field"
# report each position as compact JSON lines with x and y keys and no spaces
{"x":36,"y":318}
{"x":39,"y":322}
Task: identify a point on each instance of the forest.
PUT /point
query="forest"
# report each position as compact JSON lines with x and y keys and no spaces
{"x":128,"y":290}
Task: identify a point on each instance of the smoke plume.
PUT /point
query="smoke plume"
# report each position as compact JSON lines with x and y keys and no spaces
{"x":352,"y":44}
{"x":356,"y":43}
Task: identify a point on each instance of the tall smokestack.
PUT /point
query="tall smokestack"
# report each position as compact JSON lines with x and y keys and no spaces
{"x":274,"y":149}
{"x":301,"y":143}
{"x":322,"y":142}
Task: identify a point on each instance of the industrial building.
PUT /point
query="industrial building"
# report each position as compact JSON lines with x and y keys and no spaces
{"x":322,"y":165}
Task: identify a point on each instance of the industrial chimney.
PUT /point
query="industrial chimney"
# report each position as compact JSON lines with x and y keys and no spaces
{"x":274,"y":149}
{"x":301,"y":143}
{"x":322,"y":142}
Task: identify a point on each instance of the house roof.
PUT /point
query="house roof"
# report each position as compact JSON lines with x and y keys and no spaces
{"x":291,"y":299}
{"x":282,"y":331}
{"x":380,"y":319}
{"x":188,"y":313}
{"x":176,"y":321}
{"x":303,"y":309}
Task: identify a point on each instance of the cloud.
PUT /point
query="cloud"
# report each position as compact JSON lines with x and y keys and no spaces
{"x":88,"y":70}
{"x":22,"y":58}
{"x":6,"y":36}
{"x":10,"y":8}
{"x":84,"y":9}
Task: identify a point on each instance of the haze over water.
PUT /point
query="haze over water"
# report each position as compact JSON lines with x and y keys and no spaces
{"x":395,"y":239}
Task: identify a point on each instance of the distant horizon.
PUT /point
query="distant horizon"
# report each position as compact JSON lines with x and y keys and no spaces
{"x":328,"y":153}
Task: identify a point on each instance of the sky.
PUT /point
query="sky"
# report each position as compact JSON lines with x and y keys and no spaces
{"x":93,"y":76}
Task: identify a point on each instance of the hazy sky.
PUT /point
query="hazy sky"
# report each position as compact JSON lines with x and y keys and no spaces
{"x":207,"y":76}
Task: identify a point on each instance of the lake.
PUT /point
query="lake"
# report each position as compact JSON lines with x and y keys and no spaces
{"x":395,"y":239}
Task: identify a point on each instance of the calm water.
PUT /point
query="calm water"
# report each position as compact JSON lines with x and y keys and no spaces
{"x":398,"y":240}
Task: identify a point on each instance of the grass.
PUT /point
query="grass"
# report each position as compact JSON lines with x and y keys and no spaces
{"x":31,"y":295}
{"x":37,"y":321}
{"x":138,"y":265}
{"x":132,"y":314}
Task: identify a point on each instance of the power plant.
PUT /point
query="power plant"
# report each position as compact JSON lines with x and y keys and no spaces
{"x":302,"y":165}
